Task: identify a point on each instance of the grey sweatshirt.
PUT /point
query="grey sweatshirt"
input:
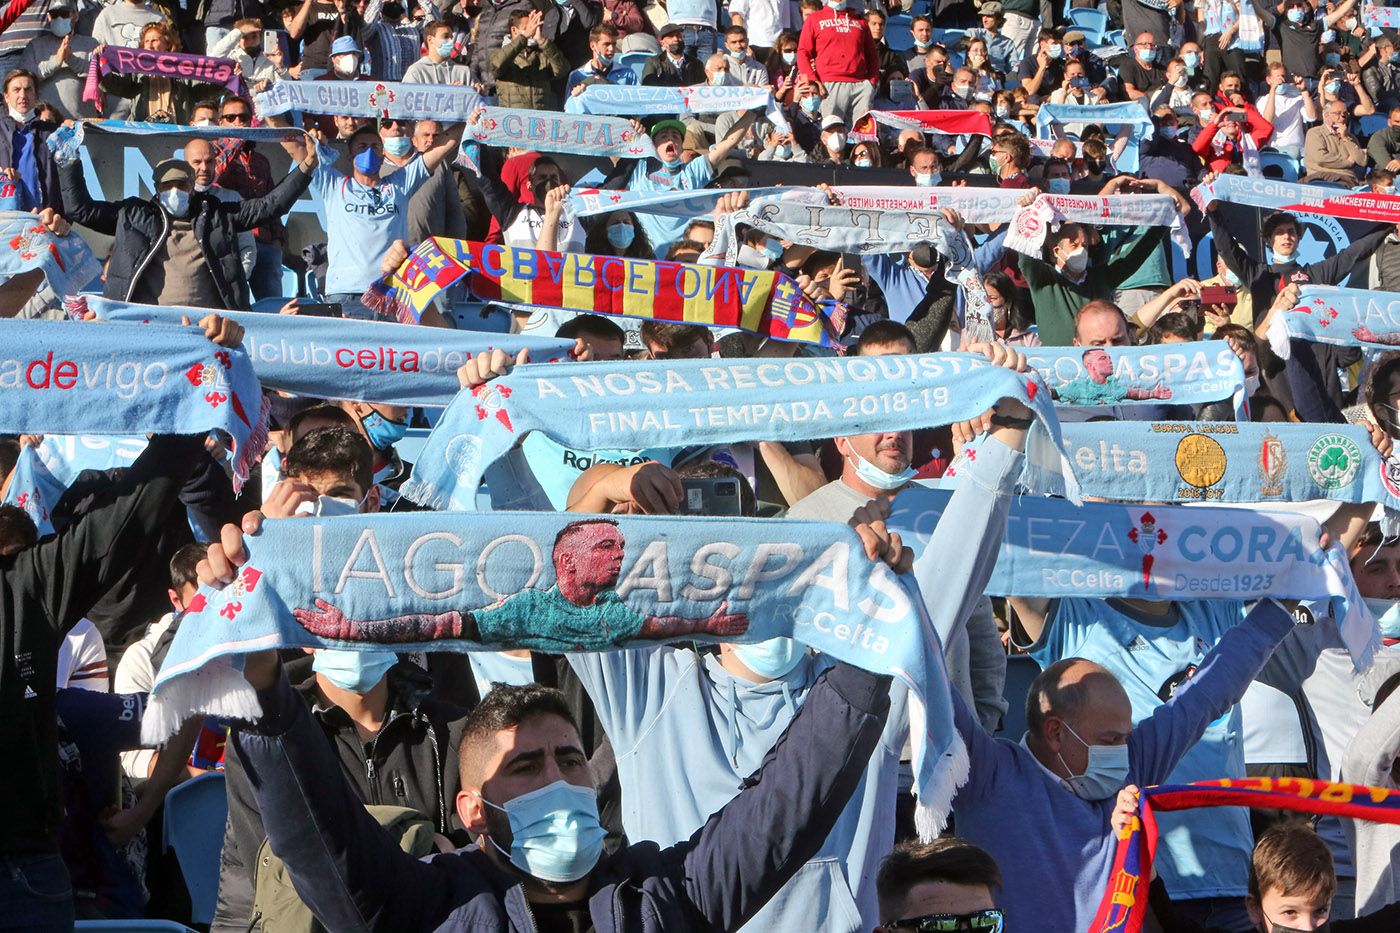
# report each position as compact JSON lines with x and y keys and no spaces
{"x":1375,"y":846}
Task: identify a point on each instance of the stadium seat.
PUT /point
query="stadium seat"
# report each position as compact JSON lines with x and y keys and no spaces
{"x":1372,"y":123}
{"x":1021,"y":669}
{"x":634,"y":60}
{"x":949,"y":37}
{"x":1093,"y":23}
{"x":1284,"y":167}
{"x":195,"y":813}
{"x":897,"y":32}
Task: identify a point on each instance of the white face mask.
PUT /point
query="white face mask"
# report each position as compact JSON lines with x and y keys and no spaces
{"x":199,"y":187}
{"x":346,"y":64}
{"x":1077,"y":261}
{"x":836,"y":141}
{"x":176,"y":201}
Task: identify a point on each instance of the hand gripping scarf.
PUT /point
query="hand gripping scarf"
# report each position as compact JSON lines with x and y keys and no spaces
{"x":1124,"y":905}
{"x":1166,"y":374}
{"x":552,"y":582}
{"x":1274,"y":194}
{"x":62,"y":378}
{"x":767,"y":303}
{"x":177,"y":66}
{"x":680,"y":403}
{"x":33,"y":489}
{"x":371,"y":99}
{"x":66,"y":262}
{"x":1347,"y":317}
{"x":1127,"y":113}
{"x":336,"y":358}
{"x":1163,"y":552}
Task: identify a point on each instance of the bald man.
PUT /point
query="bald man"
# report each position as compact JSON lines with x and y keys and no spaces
{"x":1041,"y":807}
{"x":202,"y":155}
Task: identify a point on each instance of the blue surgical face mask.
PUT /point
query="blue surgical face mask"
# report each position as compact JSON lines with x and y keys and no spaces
{"x":1054,"y":51}
{"x":398,"y":146}
{"x":555,"y":832}
{"x":1105,"y":773}
{"x":1387,"y":613}
{"x":61,"y":27}
{"x":870,"y":473}
{"x":1057,"y":185}
{"x":1332,"y":58}
{"x":789,"y":58}
{"x":864,"y":162}
{"x":369,"y":160}
{"x":1296,"y":14}
{"x":773,"y":249}
{"x":925,"y":179}
{"x":1192,"y":59}
{"x":621,"y":235}
{"x":445,"y":48}
{"x":605,"y":60}
{"x":355,"y":671}
{"x":382,"y":432}
{"x":1333,"y":87}
{"x":773,"y":658}
{"x":1232,"y":279}
{"x":812,"y":103}
{"x":783,"y":152}
{"x":176,"y":201}
{"x":737,"y":55}
{"x":1147,"y":56}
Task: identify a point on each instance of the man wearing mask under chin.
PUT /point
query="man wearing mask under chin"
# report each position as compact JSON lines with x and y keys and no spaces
{"x":392,"y":740}
{"x":669,"y":172}
{"x":24,"y":154}
{"x":179,"y":247}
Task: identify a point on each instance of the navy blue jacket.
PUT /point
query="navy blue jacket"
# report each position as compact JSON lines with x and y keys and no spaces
{"x":354,"y":877}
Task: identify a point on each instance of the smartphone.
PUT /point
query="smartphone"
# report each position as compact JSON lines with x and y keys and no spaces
{"x":1218,"y":295}
{"x":902,"y":91}
{"x":711,"y":495}
{"x":320,"y":309}
{"x":272,"y":39}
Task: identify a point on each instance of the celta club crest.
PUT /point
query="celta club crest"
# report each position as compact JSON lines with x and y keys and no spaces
{"x":1146,"y":535}
{"x":1273,"y":463}
{"x":243,"y":584}
{"x":30,"y":241}
{"x":380,"y":98}
{"x":213,"y":379}
{"x":33,"y":503}
{"x":490,"y":401}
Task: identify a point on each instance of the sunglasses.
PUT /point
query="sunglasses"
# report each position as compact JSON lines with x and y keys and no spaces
{"x":983,"y":921}
{"x":243,"y":117}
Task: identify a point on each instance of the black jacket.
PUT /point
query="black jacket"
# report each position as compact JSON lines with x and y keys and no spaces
{"x":140,"y":225}
{"x":355,"y":878}
{"x":662,"y":71}
{"x":44,"y":591}
{"x":51,"y":188}
{"x":411,"y":763}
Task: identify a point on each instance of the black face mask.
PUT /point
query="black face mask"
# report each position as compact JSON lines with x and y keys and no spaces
{"x":1094,"y":166}
{"x":676,"y":48}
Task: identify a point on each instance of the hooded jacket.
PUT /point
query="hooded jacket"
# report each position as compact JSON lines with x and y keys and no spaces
{"x":140,"y":226}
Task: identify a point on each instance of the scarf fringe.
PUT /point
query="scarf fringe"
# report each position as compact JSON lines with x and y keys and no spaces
{"x":932,"y":809}
{"x":384,"y":300}
{"x":250,"y":452}
{"x":215,"y":689}
{"x":76,"y":307}
{"x":428,"y":495}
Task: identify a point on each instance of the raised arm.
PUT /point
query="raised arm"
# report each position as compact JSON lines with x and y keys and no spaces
{"x":740,"y":858}
{"x":256,"y":212}
{"x":451,"y":139}
{"x":721,"y":150}
{"x":80,"y":207}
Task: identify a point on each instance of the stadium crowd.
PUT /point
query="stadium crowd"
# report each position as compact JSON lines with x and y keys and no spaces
{"x":693,"y":778}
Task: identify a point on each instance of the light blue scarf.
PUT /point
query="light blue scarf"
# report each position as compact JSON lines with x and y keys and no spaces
{"x":1110,"y":116}
{"x":1277,"y":195}
{"x":371,"y":99}
{"x":1221,"y":461}
{"x":1178,"y":374}
{"x":92,"y":378}
{"x":552,"y":131}
{"x":645,"y":100}
{"x":1161,"y":552}
{"x":1347,"y":317}
{"x":33,"y":489}
{"x":26,"y":244}
{"x":66,"y":142}
{"x":680,"y":403}
{"x":434,"y":582}
{"x":64,"y":456}
{"x":359,"y":361}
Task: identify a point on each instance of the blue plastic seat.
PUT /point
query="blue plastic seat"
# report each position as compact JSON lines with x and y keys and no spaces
{"x":1092,"y":22}
{"x":634,"y":60}
{"x":1021,"y":669}
{"x":898,"y":32}
{"x":1372,"y":123}
{"x":1286,"y":167}
{"x":195,"y":813}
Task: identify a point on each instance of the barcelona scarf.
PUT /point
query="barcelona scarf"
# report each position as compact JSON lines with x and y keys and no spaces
{"x":1124,"y":904}
{"x":767,"y":303}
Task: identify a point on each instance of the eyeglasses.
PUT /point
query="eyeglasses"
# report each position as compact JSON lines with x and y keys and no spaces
{"x":240,"y":117}
{"x":983,"y":921}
